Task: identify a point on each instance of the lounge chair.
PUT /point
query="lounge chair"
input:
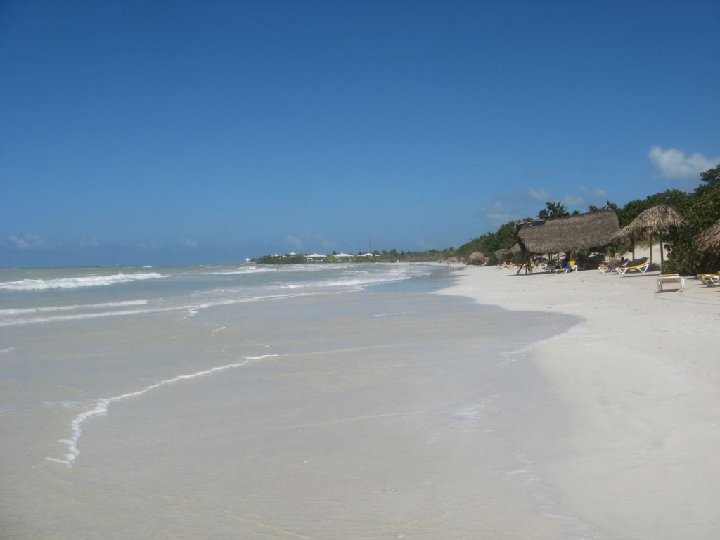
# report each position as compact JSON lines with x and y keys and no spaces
{"x":711,"y":280}
{"x":607,"y":268}
{"x":637,"y":265}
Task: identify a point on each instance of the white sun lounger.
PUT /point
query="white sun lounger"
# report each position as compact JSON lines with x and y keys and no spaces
{"x":638,"y":267}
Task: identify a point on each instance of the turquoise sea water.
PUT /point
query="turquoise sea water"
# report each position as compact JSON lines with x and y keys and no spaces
{"x":316,"y":401}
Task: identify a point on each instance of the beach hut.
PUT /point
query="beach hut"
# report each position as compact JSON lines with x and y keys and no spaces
{"x":709,"y":240}
{"x":502,"y":255}
{"x":624,"y":238}
{"x":656,"y":221}
{"x":477,"y":258}
{"x":573,"y":233}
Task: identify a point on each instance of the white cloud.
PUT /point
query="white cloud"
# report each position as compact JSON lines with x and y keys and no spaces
{"x":28,"y":241}
{"x":572,"y":200}
{"x":673,"y":164}
{"x":498,"y":213}
{"x":597,"y":193}
{"x":539,"y":195}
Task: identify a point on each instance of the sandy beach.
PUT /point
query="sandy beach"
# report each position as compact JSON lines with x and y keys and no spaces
{"x":640,"y":380}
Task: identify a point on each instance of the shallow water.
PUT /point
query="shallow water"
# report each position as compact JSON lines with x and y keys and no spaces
{"x":261,"y":403}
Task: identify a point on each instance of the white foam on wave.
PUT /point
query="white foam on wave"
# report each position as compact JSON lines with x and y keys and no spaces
{"x":357,"y":283}
{"x":76,"y":282}
{"x":243,"y":271}
{"x":83,"y":316}
{"x":190,"y":310}
{"x":50,"y":309}
{"x":102,"y":405}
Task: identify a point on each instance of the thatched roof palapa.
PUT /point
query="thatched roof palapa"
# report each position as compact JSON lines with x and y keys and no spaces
{"x":573,"y":233}
{"x":709,"y":240}
{"x":623,"y":235}
{"x":658,"y":220}
{"x":477,"y":257}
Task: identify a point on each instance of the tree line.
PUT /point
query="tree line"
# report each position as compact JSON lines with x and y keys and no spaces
{"x":701,"y":209}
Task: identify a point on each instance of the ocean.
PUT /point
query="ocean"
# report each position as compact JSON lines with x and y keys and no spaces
{"x":303,"y":401}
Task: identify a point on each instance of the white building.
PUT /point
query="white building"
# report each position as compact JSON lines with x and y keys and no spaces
{"x":314,"y":257}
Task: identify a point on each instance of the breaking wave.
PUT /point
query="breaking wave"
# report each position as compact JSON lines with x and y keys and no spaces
{"x":75,"y":282}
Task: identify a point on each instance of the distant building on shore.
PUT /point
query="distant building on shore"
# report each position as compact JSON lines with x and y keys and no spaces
{"x":315,"y":257}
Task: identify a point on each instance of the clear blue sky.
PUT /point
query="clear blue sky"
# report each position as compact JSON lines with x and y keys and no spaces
{"x":150,"y":132}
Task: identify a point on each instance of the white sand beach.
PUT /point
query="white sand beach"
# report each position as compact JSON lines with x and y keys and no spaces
{"x":640,"y":379}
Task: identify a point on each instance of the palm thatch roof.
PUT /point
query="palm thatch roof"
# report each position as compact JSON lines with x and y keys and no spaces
{"x":573,"y":233}
{"x":709,"y":240}
{"x":476,"y":257}
{"x":502,"y":253}
{"x":622,"y":235}
{"x":658,"y":220}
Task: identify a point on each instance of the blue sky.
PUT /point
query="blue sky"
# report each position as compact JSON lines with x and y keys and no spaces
{"x":141,"y":132}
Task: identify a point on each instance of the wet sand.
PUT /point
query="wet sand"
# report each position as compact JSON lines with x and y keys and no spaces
{"x":371,"y":415}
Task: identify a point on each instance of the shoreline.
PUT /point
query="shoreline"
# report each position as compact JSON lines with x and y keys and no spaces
{"x":639,"y":380}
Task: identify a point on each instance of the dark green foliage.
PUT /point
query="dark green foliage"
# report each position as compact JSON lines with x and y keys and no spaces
{"x":608,"y":206}
{"x":281,"y":259}
{"x":711,"y":177}
{"x":554,"y":210}
{"x":701,"y":209}
{"x":672,"y":197}
{"x":489,"y":243}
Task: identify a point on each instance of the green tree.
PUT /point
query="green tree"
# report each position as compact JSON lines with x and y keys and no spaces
{"x":553,"y":210}
{"x":711,"y":177}
{"x":701,"y":209}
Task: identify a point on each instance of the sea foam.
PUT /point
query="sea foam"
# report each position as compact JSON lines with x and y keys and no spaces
{"x":75,"y":282}
{"x":76,"y":307}
{"x":101,"y":406}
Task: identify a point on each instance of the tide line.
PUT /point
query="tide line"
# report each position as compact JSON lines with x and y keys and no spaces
{"x":101,"y":406}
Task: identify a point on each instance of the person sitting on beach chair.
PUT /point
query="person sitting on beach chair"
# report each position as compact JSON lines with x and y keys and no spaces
{"x":612,"y":266}
{"x":637,"y":265}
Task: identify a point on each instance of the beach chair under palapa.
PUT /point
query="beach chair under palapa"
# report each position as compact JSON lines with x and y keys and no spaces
{"x":637,"y":265}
